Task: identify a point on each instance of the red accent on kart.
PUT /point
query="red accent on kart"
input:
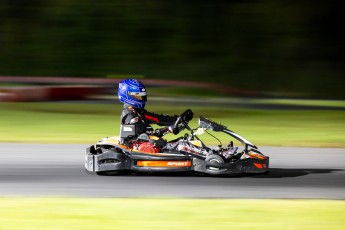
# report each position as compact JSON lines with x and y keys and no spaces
{"x":151,"y":118}
{"x":148,"y":148}
{"x":259,"y":166}
{"x":189,"y":150}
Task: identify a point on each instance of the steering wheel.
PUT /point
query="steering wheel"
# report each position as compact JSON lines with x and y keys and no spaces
{"x":184,"y":118}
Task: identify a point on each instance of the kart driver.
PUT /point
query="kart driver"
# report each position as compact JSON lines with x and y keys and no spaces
{"x":133,"y":94}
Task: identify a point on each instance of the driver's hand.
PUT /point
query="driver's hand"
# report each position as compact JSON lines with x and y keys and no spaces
{"x":187,"y":115}
{"x":173,"y":130}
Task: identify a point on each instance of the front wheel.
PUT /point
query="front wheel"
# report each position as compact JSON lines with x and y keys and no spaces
{"x":215,"y":159}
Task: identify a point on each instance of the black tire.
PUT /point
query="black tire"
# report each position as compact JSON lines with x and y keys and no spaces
{"x":217,"y":159}
{"x":265,"y":173}
{"x":108,"y":173}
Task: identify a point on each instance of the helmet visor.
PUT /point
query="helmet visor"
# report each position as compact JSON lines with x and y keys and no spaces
{"x":141,"y":96}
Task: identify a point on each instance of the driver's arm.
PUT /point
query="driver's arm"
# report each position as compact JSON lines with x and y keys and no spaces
{"x":165,"y":120}
{"x":159,"y":119}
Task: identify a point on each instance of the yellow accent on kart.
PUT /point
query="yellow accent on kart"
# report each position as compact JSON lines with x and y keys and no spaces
{"x":111,"y":140}
{"x":154,"y":138}
{"x":196,"y":143}
{"x":256,"y":155}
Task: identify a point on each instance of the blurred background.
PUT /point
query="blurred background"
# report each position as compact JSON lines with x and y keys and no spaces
{"x":272,"y":71}
{"x":290,"y":49}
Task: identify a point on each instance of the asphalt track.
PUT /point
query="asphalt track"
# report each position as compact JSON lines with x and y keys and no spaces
{"x":58,"y":170}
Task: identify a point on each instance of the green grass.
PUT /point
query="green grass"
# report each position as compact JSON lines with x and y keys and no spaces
{"x":328,"y":103}
{"x":202,"y":92}
{"x":159,"y":213}
{"x":87,"y":123}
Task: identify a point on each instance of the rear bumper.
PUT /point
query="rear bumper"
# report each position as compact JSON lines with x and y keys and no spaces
{"x":108,"y":160}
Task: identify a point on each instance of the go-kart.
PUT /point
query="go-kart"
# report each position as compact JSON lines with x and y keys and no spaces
{"x":147,"y":153}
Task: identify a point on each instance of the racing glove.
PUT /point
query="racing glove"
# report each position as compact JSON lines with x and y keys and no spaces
{"x":173,"y":130}
{"x":163,"y":131}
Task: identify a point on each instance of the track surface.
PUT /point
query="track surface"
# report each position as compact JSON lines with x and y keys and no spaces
{"x":58,"y":170}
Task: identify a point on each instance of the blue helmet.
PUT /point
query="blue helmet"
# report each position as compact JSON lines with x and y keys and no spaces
{"x":132,"y":92}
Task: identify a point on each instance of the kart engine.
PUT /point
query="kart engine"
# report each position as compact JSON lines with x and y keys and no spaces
{"x":149,"y":148}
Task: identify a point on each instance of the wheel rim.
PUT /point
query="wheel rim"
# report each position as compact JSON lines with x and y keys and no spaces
{"x":215,"y":168}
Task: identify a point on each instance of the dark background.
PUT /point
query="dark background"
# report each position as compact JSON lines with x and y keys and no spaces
{"x":289,"y":48}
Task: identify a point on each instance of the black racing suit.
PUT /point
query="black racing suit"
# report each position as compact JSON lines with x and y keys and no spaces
{"x":142,"y":120}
